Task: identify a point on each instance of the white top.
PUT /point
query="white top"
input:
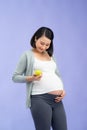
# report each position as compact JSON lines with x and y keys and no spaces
{"x":49,"y":80}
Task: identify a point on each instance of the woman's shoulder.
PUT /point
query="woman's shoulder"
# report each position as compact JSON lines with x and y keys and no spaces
{"x":27,"y":53}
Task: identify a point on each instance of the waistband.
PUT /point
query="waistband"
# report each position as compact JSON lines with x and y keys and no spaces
{"x":46,"y":95}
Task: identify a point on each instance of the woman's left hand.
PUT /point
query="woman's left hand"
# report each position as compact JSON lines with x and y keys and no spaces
{"x":60,"y":97}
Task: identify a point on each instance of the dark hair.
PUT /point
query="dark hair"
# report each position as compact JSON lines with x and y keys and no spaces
{"x":46,"y":32}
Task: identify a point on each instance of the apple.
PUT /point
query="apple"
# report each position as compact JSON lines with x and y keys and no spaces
{"x":37,"y":72}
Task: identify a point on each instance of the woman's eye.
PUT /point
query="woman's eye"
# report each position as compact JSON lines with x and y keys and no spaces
{"x":42,"y":43}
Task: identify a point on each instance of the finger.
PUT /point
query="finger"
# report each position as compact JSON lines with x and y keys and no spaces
{"x":57,"y":100}
{"x":58,"y":97}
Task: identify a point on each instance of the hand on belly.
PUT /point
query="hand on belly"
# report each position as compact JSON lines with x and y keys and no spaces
{"x":60,"y":97}
{"x":60,"y":93}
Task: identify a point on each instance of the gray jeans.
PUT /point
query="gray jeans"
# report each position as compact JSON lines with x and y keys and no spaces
{"x":47,"y":113}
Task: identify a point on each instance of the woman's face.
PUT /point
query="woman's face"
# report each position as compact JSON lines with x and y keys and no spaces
{"x":42,"y":44}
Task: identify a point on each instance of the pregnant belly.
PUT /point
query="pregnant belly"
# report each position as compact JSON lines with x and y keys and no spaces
{"x":50,"y":83}
{"x":56,"y":92}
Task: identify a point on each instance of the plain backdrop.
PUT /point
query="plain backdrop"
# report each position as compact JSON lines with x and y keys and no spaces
{"x":19,"y":19}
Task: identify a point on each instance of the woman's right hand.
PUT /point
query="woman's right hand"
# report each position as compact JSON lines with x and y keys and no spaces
{"x":33,"y":78}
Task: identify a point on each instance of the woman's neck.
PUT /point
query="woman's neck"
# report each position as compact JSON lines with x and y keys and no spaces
{"x":40,"y":53}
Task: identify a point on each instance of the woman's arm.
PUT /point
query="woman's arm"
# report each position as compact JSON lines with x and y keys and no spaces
{"x":18,"y":75}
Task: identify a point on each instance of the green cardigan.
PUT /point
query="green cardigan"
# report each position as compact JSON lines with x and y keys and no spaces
{"x":25,"y":68}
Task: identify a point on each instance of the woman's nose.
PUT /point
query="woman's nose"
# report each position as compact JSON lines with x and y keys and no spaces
{"x":44,"y":47}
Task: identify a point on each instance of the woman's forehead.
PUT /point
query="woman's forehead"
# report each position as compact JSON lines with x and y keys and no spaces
{"x":45,"y":39}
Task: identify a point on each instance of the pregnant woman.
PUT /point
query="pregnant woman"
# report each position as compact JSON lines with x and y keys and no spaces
{"x":45,"y":90}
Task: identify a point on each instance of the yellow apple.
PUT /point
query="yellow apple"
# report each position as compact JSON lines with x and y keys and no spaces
{"x":37,"y":72}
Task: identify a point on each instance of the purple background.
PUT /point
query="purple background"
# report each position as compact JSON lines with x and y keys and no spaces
{"x":18,"y":21}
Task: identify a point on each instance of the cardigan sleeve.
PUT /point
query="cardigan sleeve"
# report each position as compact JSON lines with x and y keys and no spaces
{"x":18,"y":75}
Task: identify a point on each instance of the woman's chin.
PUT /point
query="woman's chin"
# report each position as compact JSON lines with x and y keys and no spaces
{"x":41,"y":51}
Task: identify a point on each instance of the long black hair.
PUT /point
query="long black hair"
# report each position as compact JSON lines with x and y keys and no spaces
{"x":46,"y":32}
